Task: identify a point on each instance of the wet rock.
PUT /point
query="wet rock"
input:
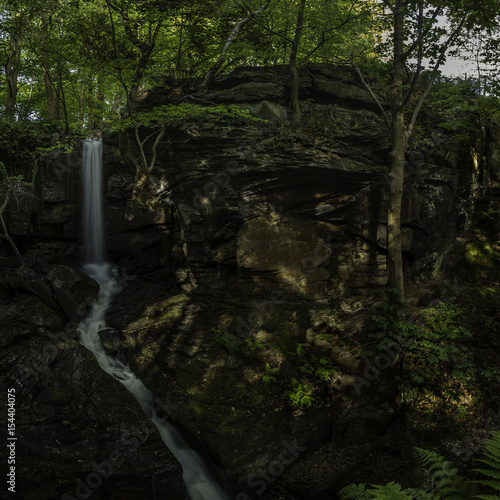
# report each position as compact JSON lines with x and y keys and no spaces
{"x":119,"y":187}
{"x":27,"y":280}
{"x":111,"y":340}
{"x":52,"y":252}
{"x":54,"y":192}
{"x":26,"y":315}
{"x":23,"y":205}
{"x":74,"y":290}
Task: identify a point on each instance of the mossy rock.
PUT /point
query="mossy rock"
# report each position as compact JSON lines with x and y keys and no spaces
{"x":477,"y":260}
{"x":43,"y":471}
{"x":63,"y":395}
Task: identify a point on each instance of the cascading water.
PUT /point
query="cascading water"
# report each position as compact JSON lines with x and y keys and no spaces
{"x":93,"y":213}
{"x":200,"y":484}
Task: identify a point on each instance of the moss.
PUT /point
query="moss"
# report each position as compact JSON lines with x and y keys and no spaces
{"x":145,"y":336}
{"x":62,"y":396}
{"x":225,"y":422}
{"x":45,"y":471}
{"x":161,"y":313}
{"x":215,"y":383}
{"x":479,"y":252}
{"x":477,"y":260}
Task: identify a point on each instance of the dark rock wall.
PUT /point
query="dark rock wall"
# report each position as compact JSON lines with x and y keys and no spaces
{"x":242,"y":224}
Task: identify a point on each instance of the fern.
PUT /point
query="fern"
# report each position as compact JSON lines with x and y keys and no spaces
{"x":391,"y":491}
{"x":269,"y":375}
{"x":355,"y":492}
{"x":491,"y":457}
{"x":446,"y":482}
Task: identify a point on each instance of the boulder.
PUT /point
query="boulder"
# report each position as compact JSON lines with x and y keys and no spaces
{"x":27,"y":280}
{"x":74,"y":290}
{"x":26,"y":315}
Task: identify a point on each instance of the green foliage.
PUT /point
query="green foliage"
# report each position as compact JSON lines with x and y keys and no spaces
{"x":301,"y":394}
{"x":391,"y":491}
{"x":235,"y":343}
{"x":19,"y":144}
{"x":441,"y":343}
{"x":172,"y":114}
{"x":227,"y":339}
{"x":76,"y":62}
{"x":254,"y":344}
{"x":316,"y":370}
{"x":458,"y":106}
{"x":437,"y":345}
{"x":492,"y":460}
{"x":445,"y":481}
{"x":66,"y":145}
{"x":269,"y":375}
{"x":321,"y":368}
{"x":314,"y":364}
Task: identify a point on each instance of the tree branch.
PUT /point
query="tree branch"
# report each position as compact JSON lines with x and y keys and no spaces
{"x":494,"y":23}
{"x":388,"y":4}
{"x":141,"y":147}
{"x":420,"y":40}
{"x":411,"y":125}
{"x":7,"y":236}
{"x":421,"y":34}
{"x":210,"y":74}
{"x":343,"y":23}
{"x":159,"y":137}
{"x":120,"y":76}
{"x":375,"y":98}
{"x":270,"y":30}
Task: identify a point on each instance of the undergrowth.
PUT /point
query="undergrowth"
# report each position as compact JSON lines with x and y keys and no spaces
{"x":444,"y":482}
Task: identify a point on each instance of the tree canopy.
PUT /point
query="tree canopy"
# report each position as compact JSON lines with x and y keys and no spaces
{"x":72,"y":63}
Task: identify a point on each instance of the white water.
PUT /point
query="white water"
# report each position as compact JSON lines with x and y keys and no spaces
{"x":199,"y":482}
{"x":93,"y":213}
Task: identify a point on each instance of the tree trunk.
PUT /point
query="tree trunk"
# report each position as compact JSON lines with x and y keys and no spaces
{"x":294,"y":93}
{"x":11,"y":73}
{"x":47,"y":80}
{"x":395,"y":259}
{"x":118,"y":99}
{"x":6,"y":231}
{"x":10,"y":102}
{"x":99,"y":104}
{"x":81,"y":105}
{"x":60,"y":97}
{"x":49,"y":92}
{"x":88,"y":100}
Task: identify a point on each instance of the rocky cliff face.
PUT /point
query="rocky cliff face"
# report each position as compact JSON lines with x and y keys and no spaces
{"x":248,"y":244}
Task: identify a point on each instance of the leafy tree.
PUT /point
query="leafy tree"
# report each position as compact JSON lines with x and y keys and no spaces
{"x":415,"y":33}
{"x":12,"y":24}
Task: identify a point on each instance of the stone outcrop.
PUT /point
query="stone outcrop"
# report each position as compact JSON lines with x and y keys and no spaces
{"x":246,"y":236}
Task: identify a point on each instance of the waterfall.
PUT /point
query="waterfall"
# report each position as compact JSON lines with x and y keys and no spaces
{"x":93,"y":213}
{"x":200,"y":484}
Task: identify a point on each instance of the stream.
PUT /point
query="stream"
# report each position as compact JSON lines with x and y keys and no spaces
{"x":200,"y":484}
